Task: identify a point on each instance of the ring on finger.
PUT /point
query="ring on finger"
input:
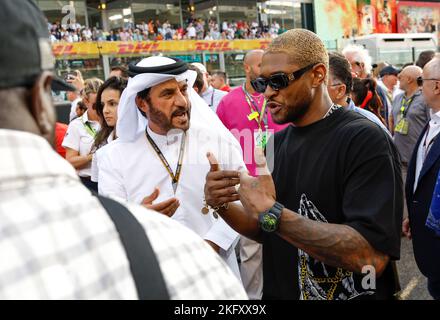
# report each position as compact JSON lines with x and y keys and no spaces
{"x":237,"y":187}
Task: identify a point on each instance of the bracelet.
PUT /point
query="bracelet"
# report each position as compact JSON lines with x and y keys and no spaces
{"x":207,"y":208}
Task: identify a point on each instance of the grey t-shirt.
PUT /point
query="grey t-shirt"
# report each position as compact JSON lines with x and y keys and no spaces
{"x":417,"y":116}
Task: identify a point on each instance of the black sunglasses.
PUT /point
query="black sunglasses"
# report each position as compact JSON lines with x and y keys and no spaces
{"x":420,"y":81}
{"x":279,"y":80}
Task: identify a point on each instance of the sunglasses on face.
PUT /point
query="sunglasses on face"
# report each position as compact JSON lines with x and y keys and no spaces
{"x":420,"y":81}
{"x":279,"y":80}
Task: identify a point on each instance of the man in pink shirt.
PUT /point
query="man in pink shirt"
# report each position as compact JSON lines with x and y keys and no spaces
{"x":243,"y":111}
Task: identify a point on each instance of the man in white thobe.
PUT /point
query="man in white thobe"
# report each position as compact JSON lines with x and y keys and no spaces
{"x":161,"y":162}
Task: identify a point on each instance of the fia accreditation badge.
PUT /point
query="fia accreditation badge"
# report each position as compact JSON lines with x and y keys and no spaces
{"x":402,"y":126}
{"x":261,"y":138}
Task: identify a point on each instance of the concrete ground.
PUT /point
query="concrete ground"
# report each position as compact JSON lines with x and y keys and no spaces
{"x":412,"y":282}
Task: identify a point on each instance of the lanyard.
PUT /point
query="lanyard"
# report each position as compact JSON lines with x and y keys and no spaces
{"x":427,"y":147}
{"x":212,"y":98}
{"x":405,"y":106}
{"x":92,"y":132}
{"x":174,"y":177}
{"x":255,"y":114}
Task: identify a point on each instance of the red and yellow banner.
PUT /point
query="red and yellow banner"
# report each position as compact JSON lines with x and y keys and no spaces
{"x":119,"y":48}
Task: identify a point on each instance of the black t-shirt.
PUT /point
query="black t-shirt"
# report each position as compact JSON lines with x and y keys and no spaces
{"x":343,"y":169}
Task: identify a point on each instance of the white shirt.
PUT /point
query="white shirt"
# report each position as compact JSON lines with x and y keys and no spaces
{"x":131,"y":170}
{"x":95,"y":171}
{"x":57,"y":241}
{"x":73,"y":109}
{"x":426,"y":144}
{"x":79,"y":139}
{"x":191,"y":31}
{"x":390,"y":95}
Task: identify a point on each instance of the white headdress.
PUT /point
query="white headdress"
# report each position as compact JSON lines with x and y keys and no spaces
{"x":155,"y":70}
{"x":130,"y":120}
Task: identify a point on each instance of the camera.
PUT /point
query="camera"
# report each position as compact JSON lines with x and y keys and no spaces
{"x":69,"y":76}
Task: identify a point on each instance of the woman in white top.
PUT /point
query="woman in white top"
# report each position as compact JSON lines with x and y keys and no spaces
{"x":81,"y":134}
{"x":107,"y":101}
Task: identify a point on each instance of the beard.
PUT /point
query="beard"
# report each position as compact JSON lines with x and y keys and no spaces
{"x":293,"y":113}
{"x":297,"y":112}
{"x":168,"y":123}
{"x":253,"y":75}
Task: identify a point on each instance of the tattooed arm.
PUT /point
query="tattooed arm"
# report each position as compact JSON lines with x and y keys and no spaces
{"x":332,"y":244}
{"x":336,"y":245}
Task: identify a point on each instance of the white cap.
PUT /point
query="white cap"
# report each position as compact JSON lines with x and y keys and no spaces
{"x":200,"y":66}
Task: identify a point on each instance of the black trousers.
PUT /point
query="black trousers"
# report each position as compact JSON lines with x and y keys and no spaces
{"x":434,"y":288}
{"x":92,"y":186}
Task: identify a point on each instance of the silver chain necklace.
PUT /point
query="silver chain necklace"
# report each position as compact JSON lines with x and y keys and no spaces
{"x":332,"y":109}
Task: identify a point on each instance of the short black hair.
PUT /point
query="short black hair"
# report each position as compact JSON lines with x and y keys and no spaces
{"x":340,"y":68}
{"x":144,"y":94}
{"x":122,"y":68}
{"x":81,"y":105}
{"x":425,"y":57}
{"x":406,"y":65}
{"x":221,"y":74}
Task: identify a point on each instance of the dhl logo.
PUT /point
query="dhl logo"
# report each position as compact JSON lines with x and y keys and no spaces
{"x":63,"y":49}
{"x":264,"y":44}
{"x":128,"y":48}
{"x":213,"y":46}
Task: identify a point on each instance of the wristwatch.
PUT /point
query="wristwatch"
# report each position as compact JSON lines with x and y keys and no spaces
{"x":270,"y":219}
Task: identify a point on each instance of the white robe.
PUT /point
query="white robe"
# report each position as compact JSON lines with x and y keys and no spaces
{"x":131,"y":170}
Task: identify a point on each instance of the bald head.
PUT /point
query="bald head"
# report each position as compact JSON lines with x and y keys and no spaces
{"x":408,"y":79}
{"x":252,"y":63}
{"x":253,"y":55}
{"x":431,"y":83}
{"x":412,"y":71}
{"x":432,"y":68}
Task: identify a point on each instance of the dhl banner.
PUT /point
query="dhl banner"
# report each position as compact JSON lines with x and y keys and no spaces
{"x":118,"y":48}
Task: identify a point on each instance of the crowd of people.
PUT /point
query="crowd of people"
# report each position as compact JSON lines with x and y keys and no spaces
{"x":296,"y":184}
{"x":195,"y":29}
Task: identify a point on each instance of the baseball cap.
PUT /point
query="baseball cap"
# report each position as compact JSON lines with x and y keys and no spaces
{"x":389,"y":70}
{"x":200,"y":66}
{"x":28,"y":51}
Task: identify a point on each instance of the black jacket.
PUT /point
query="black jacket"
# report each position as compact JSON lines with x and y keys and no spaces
{"x":426,"y":244}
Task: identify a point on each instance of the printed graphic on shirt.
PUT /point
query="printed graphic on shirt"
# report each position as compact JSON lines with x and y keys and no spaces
{"x":318,"y":281}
